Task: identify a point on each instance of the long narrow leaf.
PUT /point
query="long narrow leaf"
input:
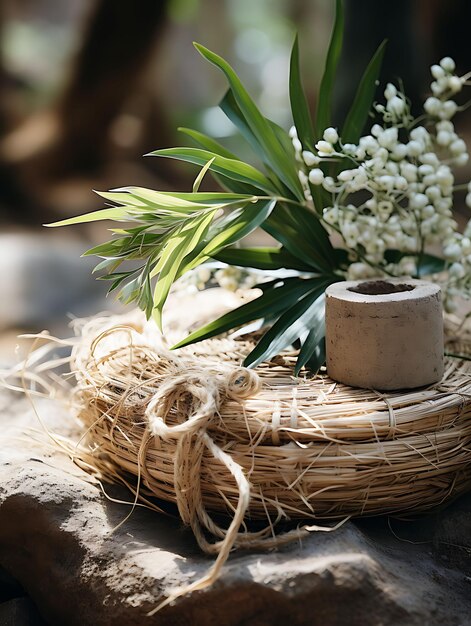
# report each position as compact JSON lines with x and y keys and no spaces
{"x":211,"y":197}
{"x":250,"y":218}
{"x":226,"y":167}
{"x":285,"y":142}
{"x":296,"y":321}
{"x":172,"y":257}
{"x":315,"y":336}
{"x":123,"y":198}
{"x":261,"y":258}
{"x":235,"y":186}
{"x":259,"y":126}
{"x":272,"y":301}
{"x":230,"y":107}
{"x":317,"y":358}
{"x":118,"y":214}
{"x":299,"y":106}
{"x":208,"y":143}
{"x":229,"y":230}
{"x":151,"y":199}
{"x":324,"y":107}
{"x":358,"y":114}
{"x":302,"y":219}
{"x":309,"y":243}
{"x":199,"y":178}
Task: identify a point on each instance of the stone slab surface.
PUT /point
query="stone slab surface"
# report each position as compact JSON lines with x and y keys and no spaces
{"x":65,"y":562}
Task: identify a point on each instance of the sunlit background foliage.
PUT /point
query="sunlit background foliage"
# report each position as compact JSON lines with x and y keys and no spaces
{"x":88,"y":86}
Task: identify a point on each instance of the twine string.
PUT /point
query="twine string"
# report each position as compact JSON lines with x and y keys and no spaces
{"x":175,"y":422}
{"x":193,"y":399}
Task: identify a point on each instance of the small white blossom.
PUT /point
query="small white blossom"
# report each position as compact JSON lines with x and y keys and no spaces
{"x":455,"y":84}
{"x":448,"y":110}
{"x":457,"y":147}
{"x":404,"y":173}
{"x":369,"y":144}
{"x":204,"y":274}
{"x":444,"y":138}
{"x":302,"y":177}
{"x":432,"y":106}
{"x":390,"y":91}
{"x":414,"y":148}
{"x":418,"y":200}
{"x":433,"y":193}
{"x":396,"y":105}
{"x":347,"y":175}
{"x":331,"y":215}
{"x":329,"y":183}
{"x":350,"y":149}
{"x":437,"y":71}
{"x":316,"y":176}
{"x":444,"y":176}
{"x":448,"y":64}
{"x":330,"y":135}
{"x":309,"y":158}
{"x":357,"y":271}
{"x":324,"y":148}
{"x":461,"y":160}
{"x":452,"y":251}
{"x":388,"y":138}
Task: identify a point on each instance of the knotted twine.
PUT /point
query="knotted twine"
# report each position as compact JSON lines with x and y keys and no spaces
{"x":197,"y":396}
{"x":202,"y":393}
{"x":121,"y":370}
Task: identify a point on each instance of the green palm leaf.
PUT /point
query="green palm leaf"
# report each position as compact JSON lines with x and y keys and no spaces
{"x":358,"y":114}
{"x":230,"y":168}
{"x":117,"y":214}
{"x":299,"y":107}
{"x":297,"y":319}
{"x":229,"y":230}
{"x":208,"y":143}
{"x":274,"y":300}
{"x":324,"y":107}
{"x":168,"y":266}
{"x":257,"y":123}
{"x":310,"y":351}
{"x":261,"y":258}
{"x":301,"y":233}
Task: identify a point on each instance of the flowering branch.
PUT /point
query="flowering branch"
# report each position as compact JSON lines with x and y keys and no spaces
{"x":394,"y":187}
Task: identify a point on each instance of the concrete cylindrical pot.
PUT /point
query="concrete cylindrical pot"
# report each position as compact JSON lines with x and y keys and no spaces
{"x":384,"y":334}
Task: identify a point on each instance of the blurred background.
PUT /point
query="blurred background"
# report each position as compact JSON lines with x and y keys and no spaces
{"x":89,"y":86}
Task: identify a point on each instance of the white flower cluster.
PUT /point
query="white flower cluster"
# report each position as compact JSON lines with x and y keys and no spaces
{"x":394,"y":188}
{"x":457,"y":252}
{"x":229,"y":277}
{"x":233,"y":278}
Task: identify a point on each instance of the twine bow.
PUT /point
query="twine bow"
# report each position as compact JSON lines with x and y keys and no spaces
{"x":193,"y":400}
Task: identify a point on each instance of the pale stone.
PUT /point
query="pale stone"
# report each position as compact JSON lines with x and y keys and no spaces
{"x":43,"y":280}
{"x":67,"y":546}
{"x":384,"y":340}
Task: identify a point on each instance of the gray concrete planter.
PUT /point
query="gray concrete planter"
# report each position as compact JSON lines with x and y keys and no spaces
{"x":384,"y":334}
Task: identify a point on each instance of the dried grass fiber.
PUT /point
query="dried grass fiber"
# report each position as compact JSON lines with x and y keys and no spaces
{"x":193,"y":428}
{"x":197,"y":430}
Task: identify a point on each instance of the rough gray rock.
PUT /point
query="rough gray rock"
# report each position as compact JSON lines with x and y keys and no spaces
{"x":452,"y":536}
{"x":43,"y":280}
{"x":57,"y":541}
{"x":20,"y":612}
